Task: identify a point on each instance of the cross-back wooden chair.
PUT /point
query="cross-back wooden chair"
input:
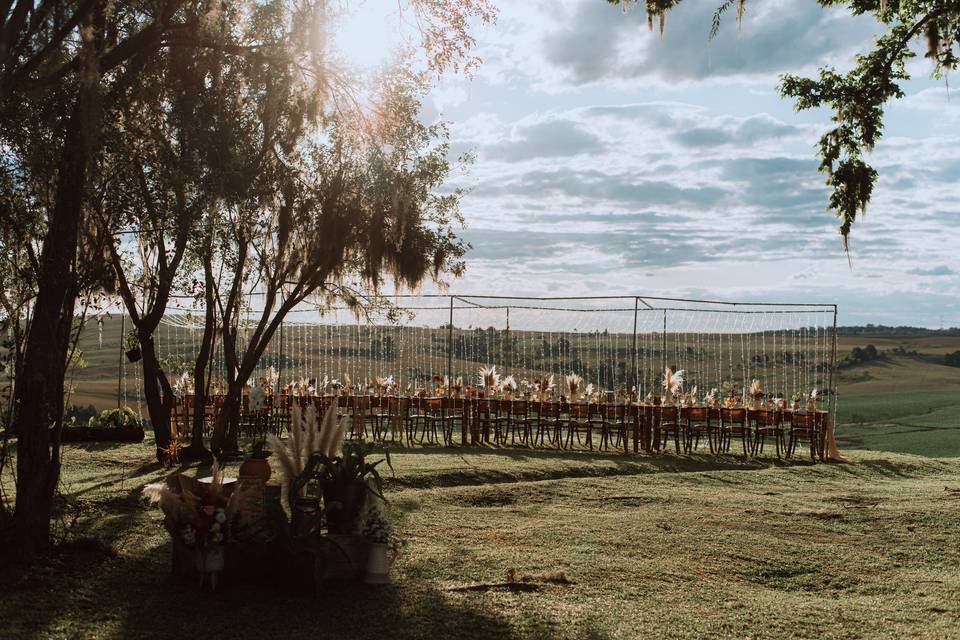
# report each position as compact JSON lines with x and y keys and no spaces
{"x":396,"y":421}
{"x":549,"y":424}
{"x":666,"y":422}
{"x":582,"y":418}
{"x":804,"y":425}
{"x":434,"y":416}
{"x":697,"y":422}
{"x":521,"y":421}
{"x":487,"y":412}
{"x":768,"y":423}
{"x":455,"y":410}
{"x":733,"y":422}
{"x":613,"y":428}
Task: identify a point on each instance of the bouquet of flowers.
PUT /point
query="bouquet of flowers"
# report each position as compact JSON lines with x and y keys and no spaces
{"x":711,"y":398}
{"x":545,"y":387}
{"x":489,"y":378}
{"x":573,"y":385}
{"x":672,"y":382}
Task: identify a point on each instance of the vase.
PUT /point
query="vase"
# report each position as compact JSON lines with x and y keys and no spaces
{"x":343,"y":504}
{"x":378,"y":564}
{"x":305,"y":519}
{"x":256,"y":468}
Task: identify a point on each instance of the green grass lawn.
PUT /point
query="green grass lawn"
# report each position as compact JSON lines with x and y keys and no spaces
{"x":918,"y":421}
{"x":665,"y":546}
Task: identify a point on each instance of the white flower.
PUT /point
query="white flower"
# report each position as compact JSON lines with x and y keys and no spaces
{"x":489,"y":378}
{"x":221,"y":516}
{"x":672,"y":381}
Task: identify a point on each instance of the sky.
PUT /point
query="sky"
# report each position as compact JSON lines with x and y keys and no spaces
{"x":611,"y":161}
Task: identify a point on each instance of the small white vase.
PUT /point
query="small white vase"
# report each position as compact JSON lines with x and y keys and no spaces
{"x":378,"y":564}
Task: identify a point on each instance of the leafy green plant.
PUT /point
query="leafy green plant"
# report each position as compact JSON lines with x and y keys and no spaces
{"x":350,"y":466}
{"x":121,"y":417}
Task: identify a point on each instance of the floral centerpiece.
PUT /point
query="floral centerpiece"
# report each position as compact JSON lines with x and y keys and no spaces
{"x":508,"y":386}
{"x":545,"y":387}
{"x":813,"y":399}
{"x":489,"y":379}
{"x":573,"y":383}
{"x":712,"y":398}
{"x":200,"y":517}
{"x":672,"y":384}
{"x":756,"y":392}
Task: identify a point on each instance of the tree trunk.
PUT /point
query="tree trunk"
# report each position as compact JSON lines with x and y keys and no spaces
{"x":228,"y":421}
{"x":196,"y":450}
{"x":39,"y":398}
{"x":157,"y":393}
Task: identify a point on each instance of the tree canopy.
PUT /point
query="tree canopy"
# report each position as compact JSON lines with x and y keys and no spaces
{"x":858,"y":97}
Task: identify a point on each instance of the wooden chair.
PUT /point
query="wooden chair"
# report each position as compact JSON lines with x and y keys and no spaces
{"x":806,"y":425}
{"x":697,"y":422}
{"x":454,"y":410}
{"x":582,"y":418}
{"x":614,"y":424}
{"x":416,"y":418}
{"x":642,"y":416}
{"x":549,"y":424}
{"x":768,"y":423}
{"x":519,"y":419}
{"x":487,"y":412}
{"x":397,"y":410}
{"x":666,"y":421}
{"x":435,"y":414}
{"x":733,"y":421}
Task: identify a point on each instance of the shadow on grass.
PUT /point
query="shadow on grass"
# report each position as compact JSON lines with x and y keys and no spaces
{"x":575,"y":464}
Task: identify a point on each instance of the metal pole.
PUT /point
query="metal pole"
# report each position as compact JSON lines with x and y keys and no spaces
{"x":123,"y":332}
{"x":664,"y":339}
{"x":450,"y":349}
{"x":636,"y":371}
{"x":507,"y":346}
{"x":280,"y":359}
{"x":833,"y":363}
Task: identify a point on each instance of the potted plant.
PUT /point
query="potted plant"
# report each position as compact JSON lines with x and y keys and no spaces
{"x":344,"y":482}
{"x":256,"y":466}
{"x":384,"y":545}
{"x":133,"y":347}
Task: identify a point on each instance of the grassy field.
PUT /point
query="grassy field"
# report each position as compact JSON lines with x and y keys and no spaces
{"x":666,"y":546}
{"x":907,"y":403}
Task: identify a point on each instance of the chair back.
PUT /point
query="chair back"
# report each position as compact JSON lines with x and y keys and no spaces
{"x":615,"y":412}
{"x":579,"y":411}
{"x":767,"y":418}
{"x":802,"y":420}
{"x":487,"y":407}
{"x":733,"y":415}
{"x":666,"y":414}
{"x":696,"y":414}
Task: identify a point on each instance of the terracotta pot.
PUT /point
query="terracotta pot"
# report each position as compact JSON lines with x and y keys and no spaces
{"x":258,"y":468}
